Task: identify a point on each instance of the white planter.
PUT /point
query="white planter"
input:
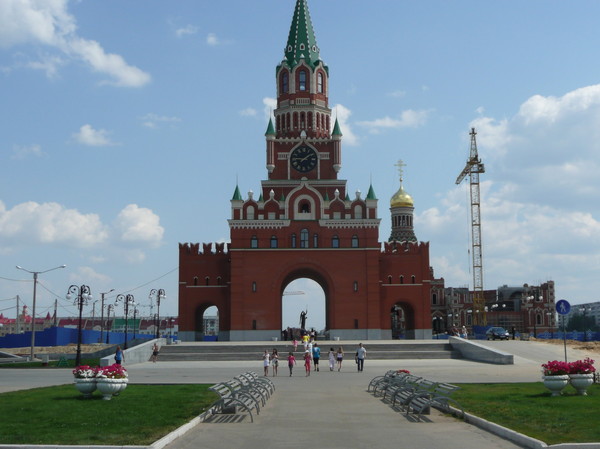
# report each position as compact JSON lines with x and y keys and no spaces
{"x":86,"y":386}
{"x":556,"y":383}
{"x":108,"y":387}
{"x":581,"y":382}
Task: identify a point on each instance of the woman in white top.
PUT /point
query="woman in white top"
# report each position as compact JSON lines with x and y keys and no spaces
{"x":266,"y":358}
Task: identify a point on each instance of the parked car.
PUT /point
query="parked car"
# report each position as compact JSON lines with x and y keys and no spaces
{"x":495,"y":333}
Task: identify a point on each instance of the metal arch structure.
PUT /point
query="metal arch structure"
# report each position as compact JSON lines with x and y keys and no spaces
{"x":473,"y":168}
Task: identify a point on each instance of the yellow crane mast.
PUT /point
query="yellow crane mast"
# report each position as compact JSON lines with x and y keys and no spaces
{"x":473,"y":168}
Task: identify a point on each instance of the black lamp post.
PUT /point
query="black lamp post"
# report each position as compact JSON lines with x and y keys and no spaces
{"x":584,"y":310}
{"x":128,"y":300}
{"x":102,"y":314}
{"x":109,"y":308}
{"x":82,"y":296}
{"x":157,"y":294}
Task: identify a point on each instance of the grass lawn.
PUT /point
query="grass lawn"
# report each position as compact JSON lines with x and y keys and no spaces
{"x":529,"y":409}
{"x":140,"y":415}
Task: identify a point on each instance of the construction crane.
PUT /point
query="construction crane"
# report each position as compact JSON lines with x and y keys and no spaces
{"x":473,"y":168}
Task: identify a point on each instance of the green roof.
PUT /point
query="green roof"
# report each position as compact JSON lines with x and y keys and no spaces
{"x":270,"y":129}
{"x":237,"y":196}
{"x":302,"y":42}
{"x":371,"y":195}
{"x":347,"y":197}
{"x":336,"y":129}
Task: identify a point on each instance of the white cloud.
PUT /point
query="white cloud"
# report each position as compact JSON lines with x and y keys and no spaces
{"x":92,"y":137}
{"x":342,"y":114}
{"x":50,"y":223}
{"x":152,"y":120}
{"x":408,"y":119}
{"x":49,"y":64}
{"x":49,"y":23}
{"x":212,"y":39}
{"x":186,"y":31}
{"x":397,"y":93}
{"x":248,"y":112}
{"x":23,"y":152}
{"x":139,"y":225}
{"x":88,"y":275}
{"x":270,"y":104}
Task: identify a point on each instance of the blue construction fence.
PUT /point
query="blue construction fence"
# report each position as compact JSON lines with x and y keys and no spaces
{"x":60,"y":336}
{"x":479,"y":332}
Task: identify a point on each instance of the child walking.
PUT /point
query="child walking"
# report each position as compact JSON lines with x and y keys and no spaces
{"x":331,"y":359}
{"x":291,"y":362}
{"x":307,"y":358}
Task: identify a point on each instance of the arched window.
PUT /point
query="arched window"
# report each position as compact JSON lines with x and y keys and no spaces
{"x":295,"y":120}
{"x":273,"y":241}
{"x":315,"y":240}
{"x":358,"y":212}
{"x":304,"y":238}
{"x":285,"y":83}
{"x":207,"y":280}
{"x":402,"y":279}
{"x":355,"y":286}
{"x":335,"y":242}
{"x":390,"y":279}
{"x":304,"y":207}
{"x":218,"y":280}
{"x":320,"y":83}
{"x":434,"y":299}
{"x":309,"y":120}
{"x":195,"y":280}
{"x":355,"y":241}
{"x":412,"y":279}
{"x":302,"y":120}
{"x":278,"y":121}
{"x":250,"y":213}
{"x":302,"y":80}
{"x":293,"y":240}
{"x":254,"y":287}
{"x":254,"y":242}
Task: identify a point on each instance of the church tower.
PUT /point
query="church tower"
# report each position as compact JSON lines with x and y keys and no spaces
{"x":304,"y":224}
{"x":401,"y":209}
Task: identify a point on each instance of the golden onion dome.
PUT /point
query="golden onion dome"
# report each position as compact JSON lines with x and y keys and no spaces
{"x":401,"y":199}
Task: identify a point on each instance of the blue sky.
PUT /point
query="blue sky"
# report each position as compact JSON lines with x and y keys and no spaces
{"x":125,"y":125}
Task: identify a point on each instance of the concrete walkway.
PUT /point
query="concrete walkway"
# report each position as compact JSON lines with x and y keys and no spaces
{"x":331,"y":409}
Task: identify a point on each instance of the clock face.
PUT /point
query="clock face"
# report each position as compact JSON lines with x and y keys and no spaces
{"x":303,"y":159}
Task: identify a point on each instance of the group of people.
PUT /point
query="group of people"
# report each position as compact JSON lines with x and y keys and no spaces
{"x":312,"y":357}
{"x":462,"y":333}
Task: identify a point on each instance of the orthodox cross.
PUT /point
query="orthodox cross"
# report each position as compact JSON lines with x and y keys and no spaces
{"x":400,"y":164}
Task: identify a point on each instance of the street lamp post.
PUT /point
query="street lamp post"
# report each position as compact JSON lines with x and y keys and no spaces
{"x":83,"y":295}
{"x":102,"y":314}
{"x":135,"y":312}
{"x":532,"y":298}
{"x":128,"y":300}
{"x":109,"y":308}
{"x":35,"y":277}
{"x":584,"y":310}
{"x":158,"y":295}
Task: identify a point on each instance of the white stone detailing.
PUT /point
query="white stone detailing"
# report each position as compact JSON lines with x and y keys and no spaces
{"x":258,"y":224}
{"x":350,"y":223}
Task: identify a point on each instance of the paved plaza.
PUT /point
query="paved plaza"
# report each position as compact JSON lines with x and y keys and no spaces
{"x":331,"y":409}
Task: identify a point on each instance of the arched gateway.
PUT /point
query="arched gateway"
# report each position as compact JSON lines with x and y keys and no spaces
{"x":305,"y":224}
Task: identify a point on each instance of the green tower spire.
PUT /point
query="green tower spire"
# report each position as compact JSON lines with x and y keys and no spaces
{"x":302,"y":42}
{"x":336,"y":129}
{"x":237,"y":196}
{"x":270,"y":128}
{"x":371,"y":195}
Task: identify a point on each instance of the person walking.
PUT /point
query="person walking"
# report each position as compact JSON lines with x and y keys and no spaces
{"x":266,"y":362}
{"x":316,"y":353}
{"x":291,"y":362}
{"x":274,"y":361}
{"x":339,"y":356}
{"x":154,"y":352}
{"x":307,"y":357}
{"x":119,"y":356}
{"x":361,"y":353}
{"x":295,"y":343}
{"x":331,"y":359}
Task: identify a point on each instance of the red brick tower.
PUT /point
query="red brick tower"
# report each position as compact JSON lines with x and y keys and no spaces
{"x":305,"y":225}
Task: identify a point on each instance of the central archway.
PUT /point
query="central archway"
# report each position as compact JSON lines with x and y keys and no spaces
{"x":304,"y":290}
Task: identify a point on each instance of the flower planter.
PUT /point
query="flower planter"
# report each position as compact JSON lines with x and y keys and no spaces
{"x":108,"y":387}
{"x":86,"y":386}
{"x":581,"y":382}
{"x":556,"y":383}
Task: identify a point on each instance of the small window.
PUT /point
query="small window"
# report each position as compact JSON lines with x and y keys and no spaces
{"x":195,"y":280}
{"x":315,"y":240}
{"x":305,"y":207}
{"x":253,"y":325}
{"x":355,"y":286}
{"x":285,"y":83}
{"x":273,"y":241}
{"x":218,"y":280}
{"x":293,"y":240}
{"x":302,"y":80}
{"x":253,"y":286}
{"x":207,"y":280}
{"x":434,"y":299}
{"x":412,"y":279}
{"x":320,"y":82}
{"x":402,"y":279}
{"x":254,"y":242}
{"x":335,"y":242}
{"x":354,"y":241}
{"x":302,"y":47}
{"x":389,"y":279}
{"x":304,"y":238}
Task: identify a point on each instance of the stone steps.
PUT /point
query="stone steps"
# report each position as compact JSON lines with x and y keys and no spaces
{"x":249,"y":352}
